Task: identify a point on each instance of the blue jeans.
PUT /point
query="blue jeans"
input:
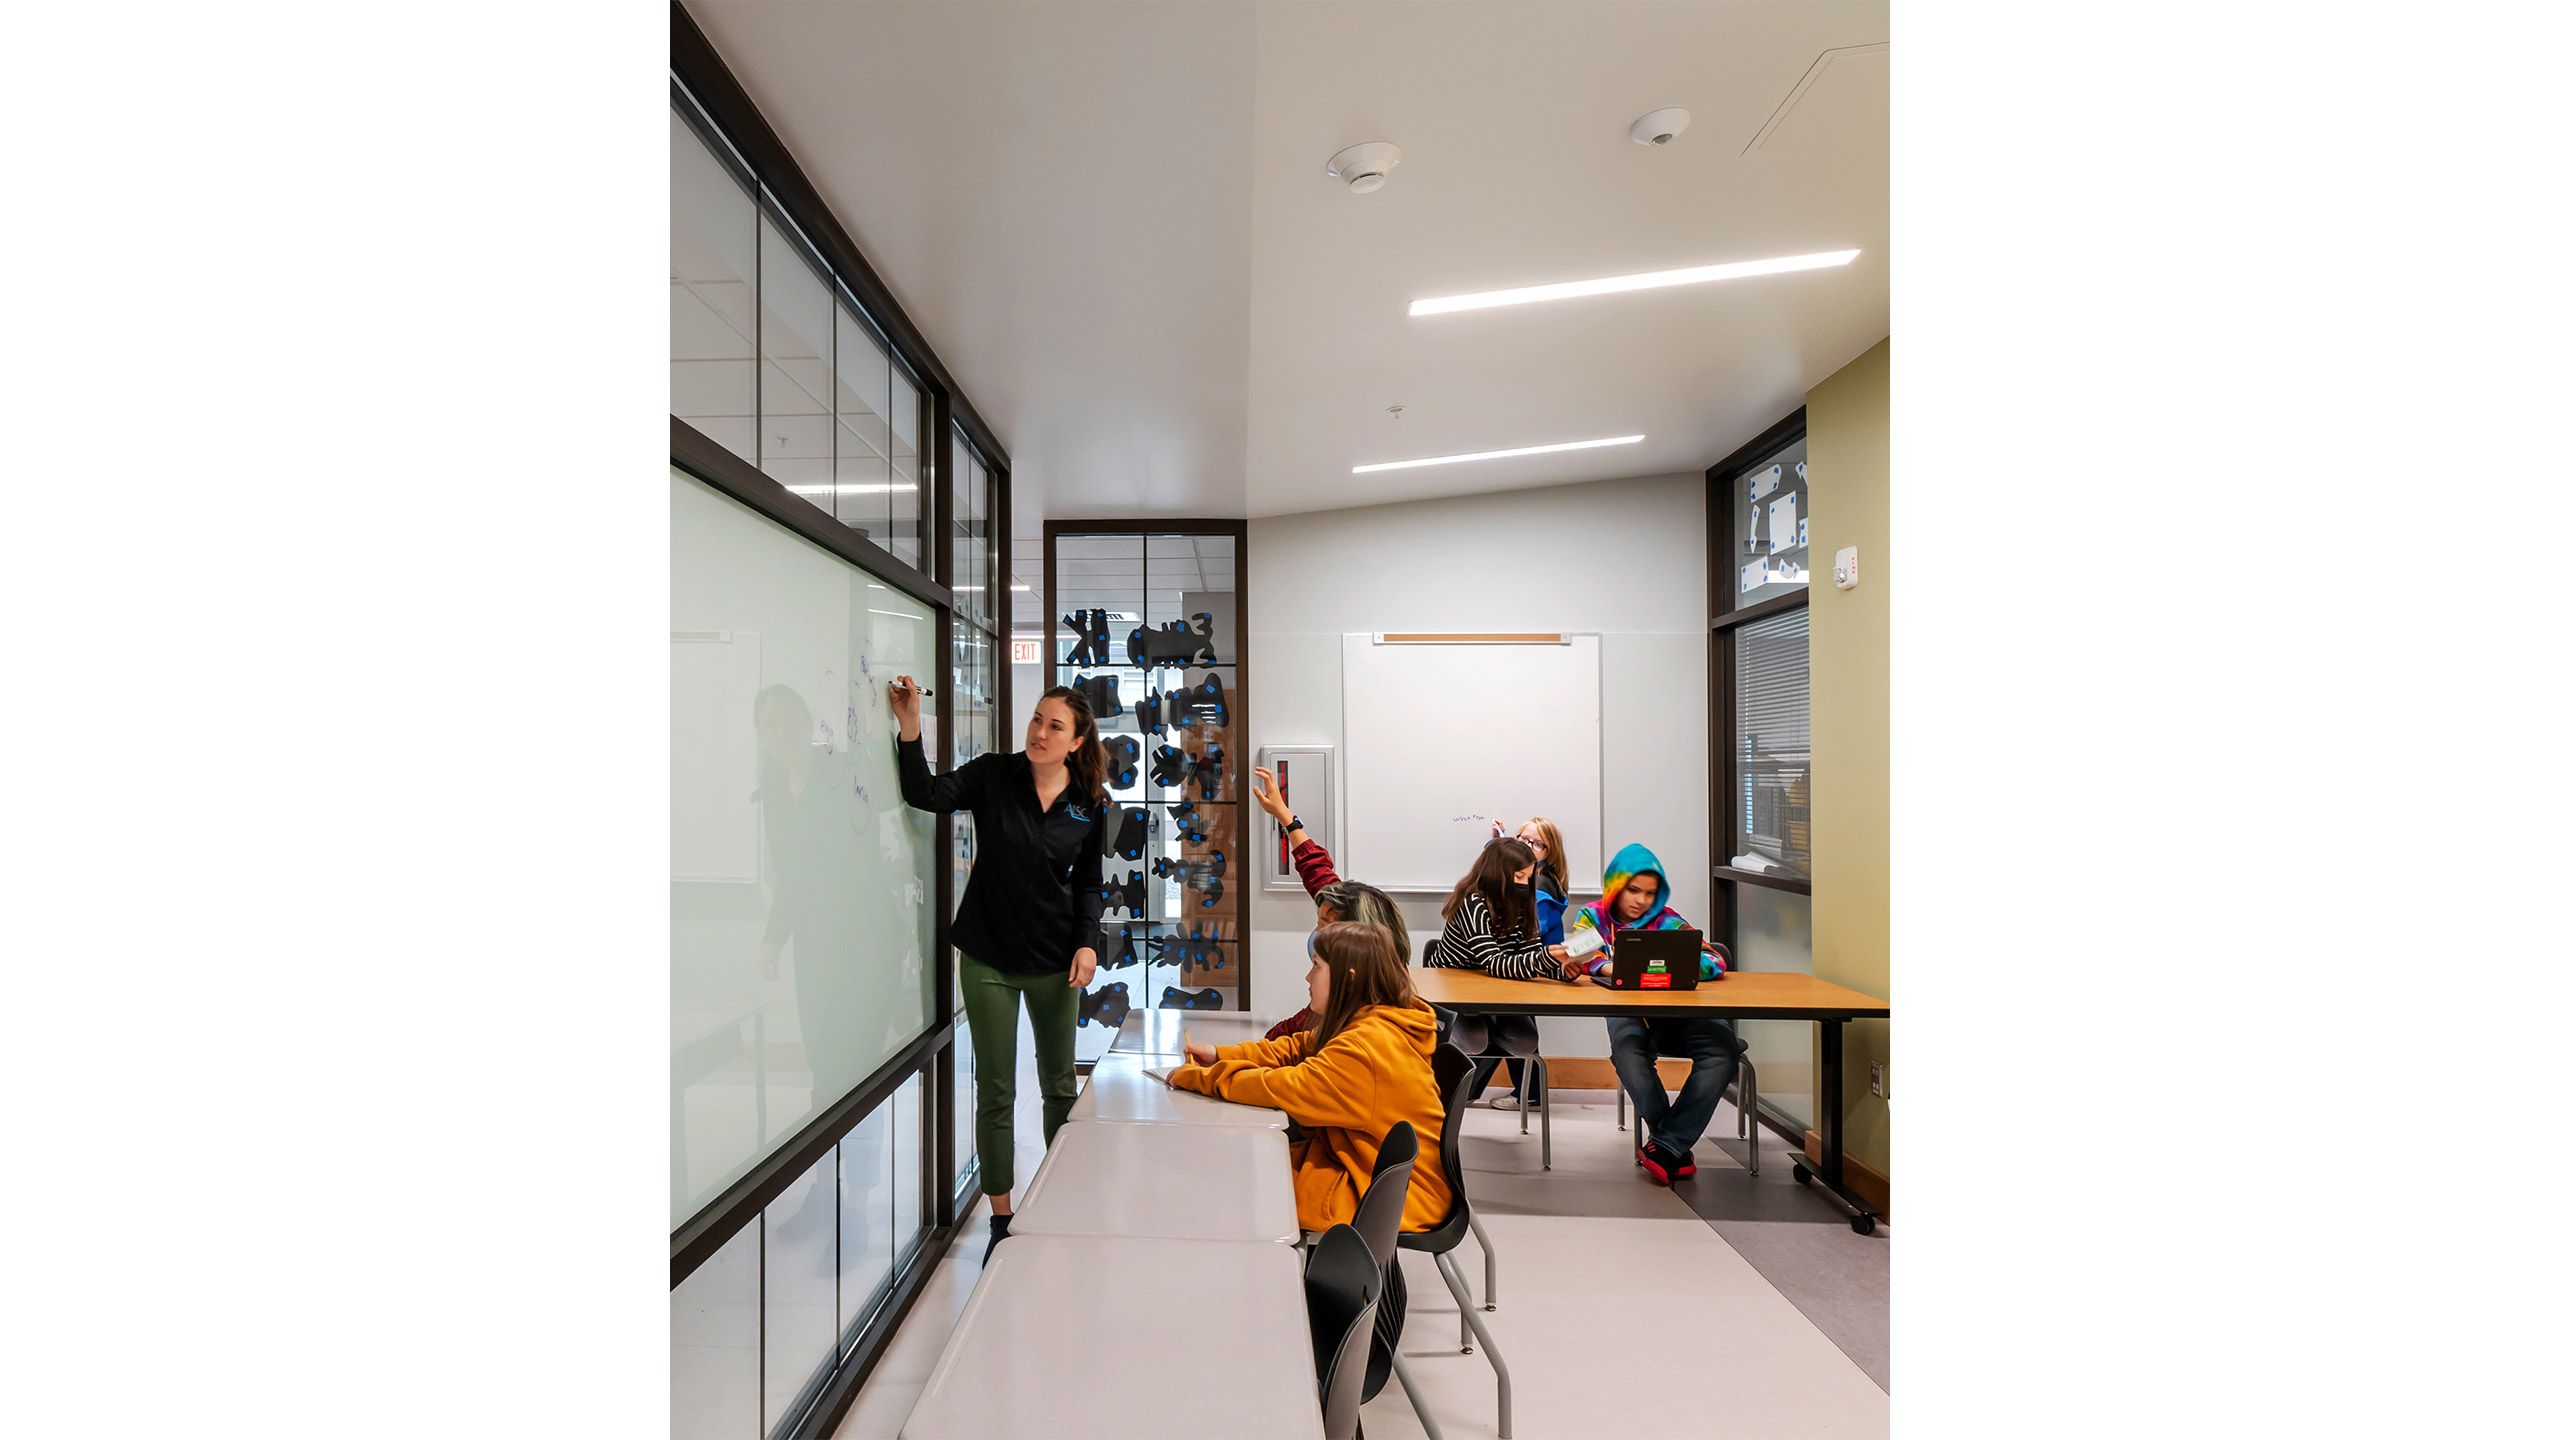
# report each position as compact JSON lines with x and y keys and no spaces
{"x":1714,"y":1053}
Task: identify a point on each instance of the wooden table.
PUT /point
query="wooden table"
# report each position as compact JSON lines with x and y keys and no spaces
{"x":1045,"y":1344}
{"x":1740,"y":995}
{"x":1122,"y":1093}
{"x":1166,"y":1182}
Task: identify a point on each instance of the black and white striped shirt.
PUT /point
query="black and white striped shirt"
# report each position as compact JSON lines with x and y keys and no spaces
{"x":1469,"y":943}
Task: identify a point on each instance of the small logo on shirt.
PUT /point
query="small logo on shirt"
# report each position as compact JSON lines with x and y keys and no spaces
{"x":1078,"y":812}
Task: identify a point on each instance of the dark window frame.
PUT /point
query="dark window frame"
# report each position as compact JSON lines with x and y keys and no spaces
{"x":1724,"y":699}
{"x":714,"y":103}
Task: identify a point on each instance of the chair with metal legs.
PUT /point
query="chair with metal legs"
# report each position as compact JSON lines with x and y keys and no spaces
{"x":1342,"y":1306}
{"x":1452,"y":1068}
{"x":1750,"y":1124}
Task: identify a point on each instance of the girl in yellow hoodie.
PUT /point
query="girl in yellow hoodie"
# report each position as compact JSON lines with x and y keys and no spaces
{"x":1364,"y":1066}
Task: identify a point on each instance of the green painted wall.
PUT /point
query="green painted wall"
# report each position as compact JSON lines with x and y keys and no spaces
{"x":1848,"y":458}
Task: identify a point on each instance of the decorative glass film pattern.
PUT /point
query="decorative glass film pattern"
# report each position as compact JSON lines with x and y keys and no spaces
{"x":1772,"y":529}
{"x":1774,"y":746}
{"x":1146,"y":630}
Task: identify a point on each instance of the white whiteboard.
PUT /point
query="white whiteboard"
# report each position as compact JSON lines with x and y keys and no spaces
{"x":1441,"y":740}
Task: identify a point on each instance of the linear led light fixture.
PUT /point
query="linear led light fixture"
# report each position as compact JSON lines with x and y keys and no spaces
{"x":851,"y":489}
{"x":980,"y":589}
{"x":1571,"y":289}
{"x":1498,"y":454}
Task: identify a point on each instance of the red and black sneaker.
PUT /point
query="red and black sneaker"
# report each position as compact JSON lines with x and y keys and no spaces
{"x":1661,"y":1167}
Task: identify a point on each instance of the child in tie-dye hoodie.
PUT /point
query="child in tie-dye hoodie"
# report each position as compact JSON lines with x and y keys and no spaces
{"x":1634,"y":895}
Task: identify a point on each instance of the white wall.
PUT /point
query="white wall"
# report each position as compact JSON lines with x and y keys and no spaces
{"x":1626,"y":558}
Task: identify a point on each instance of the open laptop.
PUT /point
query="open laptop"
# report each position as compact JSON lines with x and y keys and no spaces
{"x":1656,"y":960}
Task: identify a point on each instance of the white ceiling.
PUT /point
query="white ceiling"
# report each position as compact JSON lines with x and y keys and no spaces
{"x":1113,"y":222}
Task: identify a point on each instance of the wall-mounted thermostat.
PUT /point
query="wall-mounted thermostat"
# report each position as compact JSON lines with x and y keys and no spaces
{"x":1844,"y":568}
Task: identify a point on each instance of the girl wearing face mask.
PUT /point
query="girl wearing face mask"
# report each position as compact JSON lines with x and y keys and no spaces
{"x":1491,"y":921}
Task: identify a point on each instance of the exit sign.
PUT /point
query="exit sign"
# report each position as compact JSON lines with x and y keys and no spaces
{"x":1026,"y":652}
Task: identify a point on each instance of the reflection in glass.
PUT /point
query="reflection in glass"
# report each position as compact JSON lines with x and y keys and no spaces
{"x":712,"y":301}
{"x":799,"y":1286}
{"x":862,"y":477}
{"x":713,"y":1321}
{"x":910,"y":501}
{"x":1773,"y":931}
{"x":795,"y":381}
{"x":964,"y":1103}
{"x":1773,"y":747}
{"x":803,"y":886}
{"x":867,"y":1228}
{"x":1772,"y":529}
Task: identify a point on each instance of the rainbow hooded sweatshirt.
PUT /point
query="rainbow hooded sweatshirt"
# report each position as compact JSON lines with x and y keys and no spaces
{"x":1627,"y":864}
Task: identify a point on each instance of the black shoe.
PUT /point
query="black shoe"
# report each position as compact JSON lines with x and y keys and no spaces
{"x":998,"y":1227}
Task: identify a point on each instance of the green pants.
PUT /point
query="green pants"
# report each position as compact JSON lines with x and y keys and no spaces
{"x":988,"y":995}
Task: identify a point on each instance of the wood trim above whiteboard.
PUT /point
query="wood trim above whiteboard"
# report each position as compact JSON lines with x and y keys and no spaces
{"x":1412,"y":639}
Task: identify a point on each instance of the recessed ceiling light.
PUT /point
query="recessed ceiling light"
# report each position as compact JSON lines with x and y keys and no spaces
{"x":1498,"y":454}
{"x":1571,"y":289}
{"x":852,"y":489}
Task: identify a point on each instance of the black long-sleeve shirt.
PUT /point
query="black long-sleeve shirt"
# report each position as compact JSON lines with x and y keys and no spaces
{"x":1035,"y":895}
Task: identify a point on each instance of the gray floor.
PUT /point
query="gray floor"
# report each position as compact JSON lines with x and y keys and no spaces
{"x":1584,"y":1250}
{"x":1798,"y":1241}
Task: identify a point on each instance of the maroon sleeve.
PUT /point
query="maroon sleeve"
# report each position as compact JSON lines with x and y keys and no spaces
{"x":1315,"y":868}
{"x":1303,"y":1020}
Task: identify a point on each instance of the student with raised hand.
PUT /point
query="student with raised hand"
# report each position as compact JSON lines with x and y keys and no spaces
{"x":1635,"y":895}
{"x":1030,"y":924}
{"x":1364,"y":1066}
{"x":1491,"y":922}
{"x":1336,"y":899}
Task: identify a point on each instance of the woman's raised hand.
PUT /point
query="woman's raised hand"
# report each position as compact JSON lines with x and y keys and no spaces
{"x":902,"y":707}
{"x":1266,"y":793}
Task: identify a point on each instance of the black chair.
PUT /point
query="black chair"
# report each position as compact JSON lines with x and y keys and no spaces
{"x":1342,"y":1306}
{"x":1452,"y":1068}
{"x":1379,"y":1220}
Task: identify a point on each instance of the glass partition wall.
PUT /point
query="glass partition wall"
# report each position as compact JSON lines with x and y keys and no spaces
{"x":838,"y":515}
{"x":1149,"y":625}
{"x":1760,"y":528}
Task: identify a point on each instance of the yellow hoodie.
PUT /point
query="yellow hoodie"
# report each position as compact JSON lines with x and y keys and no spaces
{"x":1346,"y":1097}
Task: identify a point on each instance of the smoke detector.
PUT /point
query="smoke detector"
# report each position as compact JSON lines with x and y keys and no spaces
{"x":1658,"y":126}
{"x":1364,"y":167}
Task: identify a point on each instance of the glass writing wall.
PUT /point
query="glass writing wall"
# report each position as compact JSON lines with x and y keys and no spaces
{"x":803,"y":886}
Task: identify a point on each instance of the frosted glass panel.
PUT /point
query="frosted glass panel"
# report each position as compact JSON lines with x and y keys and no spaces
{"x":866,"y":1219}
{"x":911,"y":1192}
{"x":803,"y":887}
{"x":713,"y":1324}
{"x":1773,"y":931}
{"x":799,"y":1287}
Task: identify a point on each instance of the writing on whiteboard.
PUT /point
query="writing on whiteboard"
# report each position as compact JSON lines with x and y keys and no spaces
{"x":1463,"y":819}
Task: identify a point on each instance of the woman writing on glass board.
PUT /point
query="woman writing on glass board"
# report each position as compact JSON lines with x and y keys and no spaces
{"x":1030,"y":924}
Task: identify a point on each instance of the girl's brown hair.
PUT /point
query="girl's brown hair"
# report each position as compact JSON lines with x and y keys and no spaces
{"x":1514,"y":913}
{"x":1084,"y":763}
{"x":1362,"y":970}
{"x":1553,"y":839}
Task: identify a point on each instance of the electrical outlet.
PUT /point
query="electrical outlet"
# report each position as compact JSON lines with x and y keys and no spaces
{"x":1875,"y":1079}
